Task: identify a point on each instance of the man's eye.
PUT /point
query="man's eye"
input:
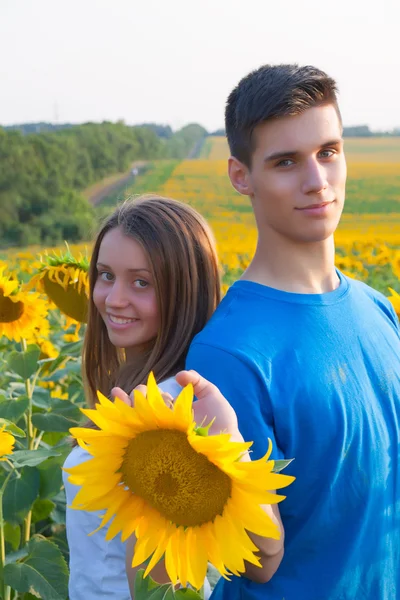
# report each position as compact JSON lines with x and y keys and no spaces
{"x":287,"y":162}
{"x":326,"y":153}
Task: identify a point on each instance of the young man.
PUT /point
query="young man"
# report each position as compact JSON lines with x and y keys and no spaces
{"x":306,"y":356}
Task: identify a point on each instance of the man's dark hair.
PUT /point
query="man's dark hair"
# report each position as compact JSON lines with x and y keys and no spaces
{"x":270,"y":92}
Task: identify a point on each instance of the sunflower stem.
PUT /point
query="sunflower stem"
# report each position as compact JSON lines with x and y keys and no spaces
{"x":30,"y":434}
{"x":27,"y":527}
{"x":5,"y":589}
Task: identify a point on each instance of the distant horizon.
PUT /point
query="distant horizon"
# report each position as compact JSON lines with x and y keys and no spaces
{"x":391,"y":129}
{"x":177,"y":62}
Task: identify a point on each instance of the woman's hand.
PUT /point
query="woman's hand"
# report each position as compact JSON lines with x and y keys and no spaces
{"x":118,"y":392}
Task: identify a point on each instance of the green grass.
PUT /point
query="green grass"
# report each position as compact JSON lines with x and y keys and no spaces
{"x":206,"y":148}
{"x":379,"y":149}
{"x":156,"y":174}
{"x":373,"y":195}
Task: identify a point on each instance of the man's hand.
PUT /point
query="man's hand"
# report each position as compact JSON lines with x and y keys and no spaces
{"x":210,"y":404}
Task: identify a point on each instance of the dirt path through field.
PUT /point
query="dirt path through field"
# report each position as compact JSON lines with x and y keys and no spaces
{"x":100,"y":190}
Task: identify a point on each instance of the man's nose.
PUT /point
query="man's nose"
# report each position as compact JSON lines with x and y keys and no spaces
{"x":315,"y":178}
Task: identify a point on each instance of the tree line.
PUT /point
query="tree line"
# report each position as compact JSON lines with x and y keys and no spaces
{"x":42,"y":174}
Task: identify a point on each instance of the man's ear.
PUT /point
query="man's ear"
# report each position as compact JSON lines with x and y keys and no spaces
{"x":239,"y":175}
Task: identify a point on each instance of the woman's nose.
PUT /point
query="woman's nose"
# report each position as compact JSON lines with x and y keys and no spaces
{"x":117,"y":296}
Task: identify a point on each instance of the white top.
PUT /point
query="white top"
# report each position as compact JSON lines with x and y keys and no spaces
{"x":97,"y":567}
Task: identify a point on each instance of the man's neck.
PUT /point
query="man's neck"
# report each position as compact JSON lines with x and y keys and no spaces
{"x":302,"y":268}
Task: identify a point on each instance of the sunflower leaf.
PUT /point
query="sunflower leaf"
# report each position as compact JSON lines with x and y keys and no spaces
{"x":20,"y":494}
{"x":31,"y":458}
{"x":10,"y":427}
{"x":279,"y":465}
{"x":187,"y":594}
{"x":52,"y":421}
{"x":25,"y":364}
{"x":44,"y":571}
{"x":13,"y":409}
{"x":146,"y":588}
{"x":12,"y":535}
{"x":73,"y":349}
{"x":41,"y":509}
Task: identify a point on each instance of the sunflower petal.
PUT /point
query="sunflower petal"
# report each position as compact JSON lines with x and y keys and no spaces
{"x":172,"y":558}
{"x":197,"y":557}
{"x":182,"y":409}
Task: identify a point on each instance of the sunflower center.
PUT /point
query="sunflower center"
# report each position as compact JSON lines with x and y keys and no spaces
{"x":10,"y":311}
{"x":184,"y":486}
{"x":70,"y":301}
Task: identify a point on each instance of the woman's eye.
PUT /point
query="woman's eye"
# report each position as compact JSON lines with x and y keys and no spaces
{"x":106,"y":276}
{"x":140,"y":283}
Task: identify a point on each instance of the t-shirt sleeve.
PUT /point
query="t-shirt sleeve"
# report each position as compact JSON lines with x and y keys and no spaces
{"x":393,"y":315}
{"x":244,"y":389}
{"x":388,"y":308}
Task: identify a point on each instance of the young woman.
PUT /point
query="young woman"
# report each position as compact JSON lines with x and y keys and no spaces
{"x":154,"y":283}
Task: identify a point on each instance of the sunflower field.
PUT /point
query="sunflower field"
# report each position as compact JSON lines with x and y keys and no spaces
{"x":43,"y":302}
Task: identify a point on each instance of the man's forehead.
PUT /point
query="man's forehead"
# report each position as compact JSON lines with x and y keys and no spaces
{"x":315,"y":126}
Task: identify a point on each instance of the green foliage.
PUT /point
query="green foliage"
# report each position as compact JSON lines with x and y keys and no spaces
{"x":150,"y":180}
{"x":205,"y":148}
{"x":42,"y":572}
{"x":147,"y":589}
{"x":43,"y":174}
{"x":185,"y":141}
{"x":378,"y":194}
{"x":32,"y":500}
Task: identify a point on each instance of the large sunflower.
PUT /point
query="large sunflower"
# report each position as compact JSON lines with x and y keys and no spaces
{"x":20,"y":312}
{"x":64,"y":279}
{"x":183,"y":494}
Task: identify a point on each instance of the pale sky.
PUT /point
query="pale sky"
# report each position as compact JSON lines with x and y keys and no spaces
{"x":175,"y":61}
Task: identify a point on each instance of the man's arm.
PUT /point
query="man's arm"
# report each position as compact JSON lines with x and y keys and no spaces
{"x":212,"y":404}
{"x":270,"y":551}
{"x":240,"y":385}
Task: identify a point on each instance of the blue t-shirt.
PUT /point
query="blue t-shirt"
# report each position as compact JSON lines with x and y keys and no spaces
{"x":319,"y":374}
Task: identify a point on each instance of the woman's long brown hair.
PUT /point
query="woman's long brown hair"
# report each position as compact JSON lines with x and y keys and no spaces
{"x":182,"y":255}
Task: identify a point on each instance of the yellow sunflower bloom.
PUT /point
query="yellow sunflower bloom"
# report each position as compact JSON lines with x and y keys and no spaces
{"x":396,"y":264}
{"x":395,"y":300}
{"x":186,"y":496}
{"x":20,"y":312}
{"x":7,"y":442}
{"x":64,"y":280}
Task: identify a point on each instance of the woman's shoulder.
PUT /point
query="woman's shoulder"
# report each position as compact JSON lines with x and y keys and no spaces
{"x":170,"y":386}
{"x":77,"y":456}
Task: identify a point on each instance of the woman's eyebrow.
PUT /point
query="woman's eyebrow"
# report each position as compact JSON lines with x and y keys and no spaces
{"x":102,"y":265}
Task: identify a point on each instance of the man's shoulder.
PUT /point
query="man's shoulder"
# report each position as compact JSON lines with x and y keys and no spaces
{"x":232,"y":325}
{"x":371,"y":299}
{"x":366,"y":291}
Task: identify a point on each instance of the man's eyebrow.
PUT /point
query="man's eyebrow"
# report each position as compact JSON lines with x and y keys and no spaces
{"x":277,"y":155}
{"x":99,"y":264}
{"x":336,"y":142}
{"x":294,"y":153}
